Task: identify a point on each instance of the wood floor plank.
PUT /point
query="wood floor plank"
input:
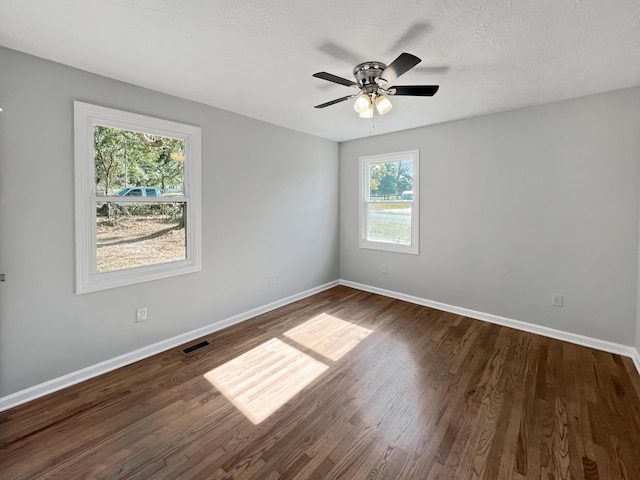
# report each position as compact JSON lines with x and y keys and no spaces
{"x":423,"y":395}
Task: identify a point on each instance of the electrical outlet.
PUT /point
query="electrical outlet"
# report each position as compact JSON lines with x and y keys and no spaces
{"x":557,"y":300}
{"x":141,"y":314}
{"x":272,"y":279}
{"x":383,"y":269}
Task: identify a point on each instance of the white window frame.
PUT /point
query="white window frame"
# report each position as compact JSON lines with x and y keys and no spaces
{"x":365,"y":162}
{"x":88,"y":279}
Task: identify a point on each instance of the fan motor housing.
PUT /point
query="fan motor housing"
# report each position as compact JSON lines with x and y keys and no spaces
{"x":366,"y":74}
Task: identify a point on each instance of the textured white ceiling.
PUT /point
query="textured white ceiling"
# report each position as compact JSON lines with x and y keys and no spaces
{"x":256,"y":57}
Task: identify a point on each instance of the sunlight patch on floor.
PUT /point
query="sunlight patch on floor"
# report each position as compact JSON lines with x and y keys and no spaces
{"x":263,"y":379}
{"x":327,"y":335}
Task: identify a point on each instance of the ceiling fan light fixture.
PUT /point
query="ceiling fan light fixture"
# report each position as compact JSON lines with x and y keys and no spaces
{"x":372,"y":79}
{"x":383,"y":104}
{"x":363,"y":104}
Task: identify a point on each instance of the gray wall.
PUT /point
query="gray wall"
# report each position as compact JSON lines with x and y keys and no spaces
{"x":270,"y":205}
{"x":638,"y":311}
{"x":514,"y":207}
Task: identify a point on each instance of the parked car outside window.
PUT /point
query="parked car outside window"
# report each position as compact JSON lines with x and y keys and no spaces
{"x":139,"y":192}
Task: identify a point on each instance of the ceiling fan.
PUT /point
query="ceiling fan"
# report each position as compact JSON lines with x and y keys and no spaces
{"x":373,"y":80}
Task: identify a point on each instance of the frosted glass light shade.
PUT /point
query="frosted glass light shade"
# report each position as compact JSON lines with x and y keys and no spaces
{"x":383,"y":104}
{"x":363,"y":104}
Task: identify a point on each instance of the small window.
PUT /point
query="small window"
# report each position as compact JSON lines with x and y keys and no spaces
{"x":389,"y":202}
{"x":150,"y":235}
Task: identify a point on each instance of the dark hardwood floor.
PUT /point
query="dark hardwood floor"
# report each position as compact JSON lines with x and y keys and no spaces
{"x":391,"y":390}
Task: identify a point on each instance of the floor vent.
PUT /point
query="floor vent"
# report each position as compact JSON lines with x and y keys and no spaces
{"x":189,"y":350}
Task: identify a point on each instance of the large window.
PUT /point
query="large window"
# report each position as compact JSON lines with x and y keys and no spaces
{"x":389,"y":202}
{"x":137,"y":198}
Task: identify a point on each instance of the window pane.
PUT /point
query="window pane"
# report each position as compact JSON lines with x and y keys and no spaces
{"x":390,"y":181}
{"x":124,"y":158}
{"x":132,"y":235}
{"x":389,"y":223}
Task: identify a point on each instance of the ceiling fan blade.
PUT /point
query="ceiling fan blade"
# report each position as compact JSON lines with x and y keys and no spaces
{"x":333,"y":102}
{"x":415,"y":31}
{"x":399,"y":66}
{"x":414,"y":90}
{"x":334,"y":78}
{"x":433,"y":69}
{"x":341,"y":53}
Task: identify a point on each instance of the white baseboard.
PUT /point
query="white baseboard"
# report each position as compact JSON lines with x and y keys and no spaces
{"x":603,"y":345}
{"x":42,"y":389}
